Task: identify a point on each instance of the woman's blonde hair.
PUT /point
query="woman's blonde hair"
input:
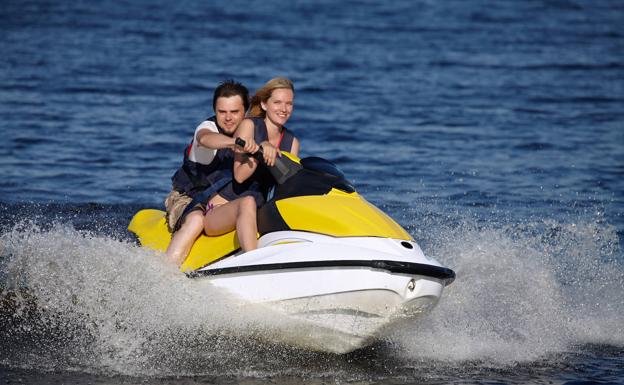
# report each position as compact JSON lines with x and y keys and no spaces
{"x":264,"y":93}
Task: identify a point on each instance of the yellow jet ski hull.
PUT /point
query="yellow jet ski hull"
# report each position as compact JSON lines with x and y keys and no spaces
{"x":150,"y":227}
{"x":334,"y":211}
{"x":337,"y":214}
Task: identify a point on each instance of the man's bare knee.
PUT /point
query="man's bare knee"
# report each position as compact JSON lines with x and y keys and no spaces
{"x":193,"y":219}
{"x":248,"y":205}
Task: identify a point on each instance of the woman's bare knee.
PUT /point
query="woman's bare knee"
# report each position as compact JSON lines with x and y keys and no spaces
{"x":221,"y":219}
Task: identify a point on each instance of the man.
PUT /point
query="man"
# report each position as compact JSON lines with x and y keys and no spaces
{"x":208,"y":159}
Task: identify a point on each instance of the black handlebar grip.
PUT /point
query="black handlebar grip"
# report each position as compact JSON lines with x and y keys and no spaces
{"x":283,"y":168}
{"x":240,"y":142}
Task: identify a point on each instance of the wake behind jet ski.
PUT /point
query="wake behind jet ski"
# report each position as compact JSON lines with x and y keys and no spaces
{"x":325,"y":256}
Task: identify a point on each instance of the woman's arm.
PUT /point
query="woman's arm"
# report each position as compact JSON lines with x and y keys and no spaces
{"x":270,"y":151}
{"x":245,"y":165}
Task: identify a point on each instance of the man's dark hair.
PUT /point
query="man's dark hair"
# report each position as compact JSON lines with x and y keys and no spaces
{"x":230,"y":88}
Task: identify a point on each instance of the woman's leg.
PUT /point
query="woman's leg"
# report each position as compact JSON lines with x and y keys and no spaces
{"x":239,"y":214}
{"x":183,"y":239}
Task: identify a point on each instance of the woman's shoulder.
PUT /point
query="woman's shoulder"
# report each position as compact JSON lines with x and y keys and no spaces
{"x":246,"y":123}
{"x":288,"y":140}
{"x":254,"y":119}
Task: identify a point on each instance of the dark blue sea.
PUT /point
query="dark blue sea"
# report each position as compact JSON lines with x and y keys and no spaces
{"x":493,"y":131}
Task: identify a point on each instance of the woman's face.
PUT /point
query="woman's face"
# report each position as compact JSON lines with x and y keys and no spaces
{"x":279,"y":106}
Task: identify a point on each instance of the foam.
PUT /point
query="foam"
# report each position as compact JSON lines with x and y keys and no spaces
{"x":522,"y":291}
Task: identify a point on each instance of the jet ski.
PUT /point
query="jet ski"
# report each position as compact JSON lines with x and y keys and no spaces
{"x":326,"y":258}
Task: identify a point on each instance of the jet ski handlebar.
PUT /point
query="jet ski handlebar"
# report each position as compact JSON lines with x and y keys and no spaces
{"x":283,"y":168}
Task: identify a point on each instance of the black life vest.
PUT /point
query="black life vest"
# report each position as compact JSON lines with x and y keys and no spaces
{"x":192,"y":178}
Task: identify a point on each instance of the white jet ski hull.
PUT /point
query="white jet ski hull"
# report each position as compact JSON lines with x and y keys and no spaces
{"x":344,"y":292}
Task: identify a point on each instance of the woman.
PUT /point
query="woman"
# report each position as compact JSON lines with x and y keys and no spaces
{"x":271,"y":107}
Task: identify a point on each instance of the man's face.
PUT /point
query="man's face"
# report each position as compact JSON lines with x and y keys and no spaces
{"x":230,"y":112}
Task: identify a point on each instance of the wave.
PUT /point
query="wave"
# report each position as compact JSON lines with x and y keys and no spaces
{"x":74,"y":299}
{"x":78,"y":300}
{"x":523,"y":291}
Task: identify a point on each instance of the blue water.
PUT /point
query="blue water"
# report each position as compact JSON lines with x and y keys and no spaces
{"x":493,"y":131}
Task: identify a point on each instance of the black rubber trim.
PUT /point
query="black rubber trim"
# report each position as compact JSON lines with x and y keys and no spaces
{"x":410,"y":268}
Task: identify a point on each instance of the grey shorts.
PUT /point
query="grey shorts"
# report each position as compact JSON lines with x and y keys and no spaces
{"x":176,"y":203}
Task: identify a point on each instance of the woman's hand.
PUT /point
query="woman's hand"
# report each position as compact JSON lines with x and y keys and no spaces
{"x":250,"y":146}
{"x":269,"y":152}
